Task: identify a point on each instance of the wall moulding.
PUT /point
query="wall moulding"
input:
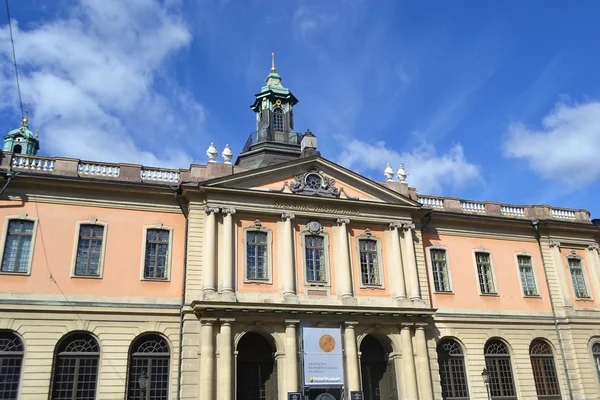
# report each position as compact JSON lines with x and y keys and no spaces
{"x":314,"y":208}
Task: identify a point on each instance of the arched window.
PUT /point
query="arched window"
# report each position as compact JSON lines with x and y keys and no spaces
{"x":596,"y":355}
{"x":76,"y":368}
{"x":497,"y":362}
{"x":17,"y":149}
{"x":149,"y":360}
{"x":544,"y":371}
{"x":278,"y":120}
{"x":11,"y":361}
{"x":452,"y":370}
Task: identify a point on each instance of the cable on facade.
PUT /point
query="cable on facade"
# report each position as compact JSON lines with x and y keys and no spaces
{"x":14,"y":57}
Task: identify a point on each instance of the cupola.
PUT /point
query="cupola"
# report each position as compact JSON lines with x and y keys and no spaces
{"x":22,"y":140}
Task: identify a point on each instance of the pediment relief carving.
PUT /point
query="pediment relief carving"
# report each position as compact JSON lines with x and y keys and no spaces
{"x":314,"y":183}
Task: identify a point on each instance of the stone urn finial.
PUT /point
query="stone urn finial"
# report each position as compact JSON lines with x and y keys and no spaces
{"x":388,"y":172}
{"x":401,"y":173}
{"x":212,"y":153}
{"x":227,"y":154}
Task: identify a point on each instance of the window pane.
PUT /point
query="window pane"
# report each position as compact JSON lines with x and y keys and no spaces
{"x":440,"y":270}
{"x":89,"y":250}
{"x":150,"y":359}
{"x":256,"y":255}
{"x":578,"y":279}
{"x":17,"y":246}
{"x":484,"y":271}
{"x":76,"y":368}
{"x":11,"y":360}
{"x":157,"y":252}
{"x":315,"y":258}
{"x":369,"y":261}
{"x":526,"y":274}
{"x":278,"y":120}
{"x":452,"y":370}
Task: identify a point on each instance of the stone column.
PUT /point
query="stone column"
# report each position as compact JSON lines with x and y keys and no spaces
{"x":210,"y":251}
{"x":413,"y":275}
{"x":288,"y":275}
{"x":351,"y":352}
{"x":399,"y":287}
{"x":593,"y":252}
{"x":408,"y":364}
{"x":207,"y":360}
{"x":291,"y":355}
{"x":423,"y":369}
{"x":225,"y":374}
{"x":345,"y":276}
{"x":228,"y":250}
{"x":561,"y":274}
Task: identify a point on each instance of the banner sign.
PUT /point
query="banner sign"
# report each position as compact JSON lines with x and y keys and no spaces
{"x":357,"y":396}
{"x":323,"y":360}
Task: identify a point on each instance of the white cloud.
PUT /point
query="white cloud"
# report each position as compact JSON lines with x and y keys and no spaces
{"x":564,"y":148}
{"x":429,"y":172}
{"x":97,"y":83}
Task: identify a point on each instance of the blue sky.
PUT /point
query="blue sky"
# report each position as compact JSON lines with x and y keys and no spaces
{"x":481,"y":100}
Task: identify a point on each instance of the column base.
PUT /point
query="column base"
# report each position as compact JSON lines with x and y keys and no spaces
{"x":209,"y":295}
{"x":291,"y":298}
{"x":349,"y":301}
{"x":403,"y":302}
{"x":418,"y":302}
{"x":228,"y":296}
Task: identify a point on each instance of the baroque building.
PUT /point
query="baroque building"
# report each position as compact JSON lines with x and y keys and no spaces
{"x":282,"y":275}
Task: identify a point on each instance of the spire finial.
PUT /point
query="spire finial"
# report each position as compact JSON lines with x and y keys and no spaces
{"x":273,"y":62}
{"x":26,"y":118}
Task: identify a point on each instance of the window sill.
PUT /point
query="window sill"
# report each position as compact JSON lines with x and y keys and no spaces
{"x":532,"y":296}
{"x":317,"y":285}
{"x":588,"y":299}
{"x":258,"y":282}
{"x":489,"y":294}
{"x":155,"y":280}
{"x":15,"y":273}
{"x":373,"y":287}
{"x":86,"y":276}
{"x":443,"y":292}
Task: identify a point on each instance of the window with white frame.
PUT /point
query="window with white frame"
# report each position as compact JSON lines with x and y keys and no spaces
{"x":439,"y":267}
{"x":314,"y":259}
{"x":576,"y":270}
{"x":278,"y":120}
{"x":484,"y":273}
{"x":257,"y":255}
{"x":89,"y":250}
{"x":18,"y":246}
{"x":369,"y":262}
{"x":156,"y":258}
{"x":526,"y":274}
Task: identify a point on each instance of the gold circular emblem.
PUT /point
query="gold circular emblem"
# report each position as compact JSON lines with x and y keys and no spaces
{"x":327,"y":343}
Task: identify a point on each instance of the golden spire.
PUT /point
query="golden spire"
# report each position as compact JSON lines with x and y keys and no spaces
{"x":26,"y":119}
{"x":273,"y":63}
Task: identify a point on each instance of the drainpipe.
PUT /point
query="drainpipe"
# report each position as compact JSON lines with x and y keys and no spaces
{"x":178,"y":191}
{"x":535,"y":224}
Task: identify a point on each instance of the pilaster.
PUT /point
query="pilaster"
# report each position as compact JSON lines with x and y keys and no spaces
{"x":422,"y":361}
{"x":210,"y":252}
{"x":228,"y":252}
{"x":225,"y":373}
{"x":351,"y":353}
{"x":398,"y":284}
{"x":207,"y":360}
{"x":408,"y":364}
{"x":291,"y":355}
{"x":593,"y":253}
{"x":345,"y":272}
{"x":560,"y":272}
{"x":413,"y":276}
{"x":288,"y":270}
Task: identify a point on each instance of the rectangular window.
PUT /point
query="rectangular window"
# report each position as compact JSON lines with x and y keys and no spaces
{"x":526,"y":274}
{"x":89,"y":250}
{"x":440,"y":270}
{"x":256,"y":255}
{"x":157,"y":253}
{"x":578,"y":279}
{"x":314,"y":250}
{"x":17,"y":248}
{"x":369,"y":261}
{"x":484,"y":272}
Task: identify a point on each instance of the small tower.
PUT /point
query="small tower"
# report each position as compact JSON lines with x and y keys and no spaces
{"x":22,"y":140}
{"x":275,"y":140}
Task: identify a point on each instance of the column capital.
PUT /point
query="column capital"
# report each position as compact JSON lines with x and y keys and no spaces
{"x":226,"y":321}
{"x":343,"y":221}
{"x":395,"y":225}
{"x":594,"y":246}
{"x":287,"y":215}
{"x":292,"y":322}
{"x":350,"y":324}
{"x":228,"y":211}
{"x":207,"y":321}
{"x":211,"y":210}
{"x":554,"y":243}
{"x":408,"y":227}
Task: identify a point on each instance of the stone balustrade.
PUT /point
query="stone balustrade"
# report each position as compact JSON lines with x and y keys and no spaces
{"x":97,"y":169}
{"x":472,"y":206}
{"x":431,"y":202}
{"x":159,"y":175}
{"x":512,"y":210}
{"x":33,"y":163}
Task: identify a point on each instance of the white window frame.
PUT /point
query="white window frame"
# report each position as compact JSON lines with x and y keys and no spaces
{"x":305,"y":232}
{"x":492,"y":266}
{"x":535,"y":282}
{"x":158,"y":225}
{"x":379,"y":247}
{"x":269,"y":266}
{"x":24,"y":217}
{"x":429,"y":260}
{"x":583,"y":273}
{"x":91,"y":221}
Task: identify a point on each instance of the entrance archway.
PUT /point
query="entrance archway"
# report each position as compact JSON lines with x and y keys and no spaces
{"x":377,"y":370}
{"x":256,"y":369}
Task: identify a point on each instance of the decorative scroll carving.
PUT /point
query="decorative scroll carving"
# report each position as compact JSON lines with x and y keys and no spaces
{"x":554,"y":243}
{"x":368,"y":232}
{"x":229,"y":211}
{"x":281,"y":189}
{"x":343,"y":220}
{"x":287,"y":215}
{"x":408,"y":227}
{"x":211,"y":210}
{"x":314,"y":183}
{"x":314,"y":227}
{"x":594,"y":246}
{"x":395,"y":225}
{"x":347,"y":195}
{"x":257,"y":224}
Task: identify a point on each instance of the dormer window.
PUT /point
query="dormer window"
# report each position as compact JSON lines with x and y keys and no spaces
{"x":278,"y":120}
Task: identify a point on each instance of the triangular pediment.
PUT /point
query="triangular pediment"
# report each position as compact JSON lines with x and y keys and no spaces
{"x":312,"y":177}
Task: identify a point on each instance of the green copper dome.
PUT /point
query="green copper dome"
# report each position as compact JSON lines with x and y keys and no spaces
{"x":22,"y":140}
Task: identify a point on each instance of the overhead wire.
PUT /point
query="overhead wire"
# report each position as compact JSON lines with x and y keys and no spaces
{"x":12,"y":41}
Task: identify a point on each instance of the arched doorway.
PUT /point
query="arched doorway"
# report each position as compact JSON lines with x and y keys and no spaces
{"x":377,"y":370}
{"x":17,"y":149}
{"x":256,"y":369}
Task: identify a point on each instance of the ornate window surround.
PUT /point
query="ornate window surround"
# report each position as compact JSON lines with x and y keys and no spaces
{"x":305,"y":231}
{"x":158,"y":225}
{"x":91,"y":221}
{"x":595,"y":341}
{"x":463,"y":355}
{"x":367,"y":235}
{"x":533,"y":269}
{"x":258,"y":227}
{"x":25,"y":217}
{"x":492,"y":265}
{"x":582,"y":263}
{"x":20,"y":354}
{"x":429,"y":260}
